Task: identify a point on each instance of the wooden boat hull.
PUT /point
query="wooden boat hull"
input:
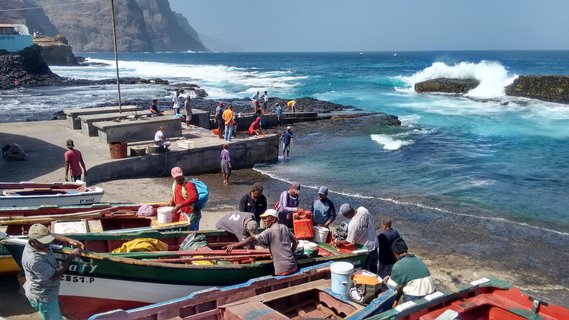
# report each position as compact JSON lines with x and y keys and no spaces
{"x":486,"y":299}
{"x":212,"y":303}
{"x":46,"y":210}
{"x":130,"y":269}
{"x":61,"y":197}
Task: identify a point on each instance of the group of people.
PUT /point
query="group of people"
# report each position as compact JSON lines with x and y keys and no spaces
{"x":388,"y":253}
{"x":179,"y":101}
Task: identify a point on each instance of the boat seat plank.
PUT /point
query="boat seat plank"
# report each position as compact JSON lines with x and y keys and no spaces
{"x":252,"y":310}
{"x":321,"y":284}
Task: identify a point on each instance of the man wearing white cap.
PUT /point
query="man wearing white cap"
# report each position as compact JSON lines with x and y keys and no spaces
{"x":287,"y":137}
{"x":241,"y":224}
{"x":42,"y":270}
{"x":288,"y":203}
{"x":281,"y":242}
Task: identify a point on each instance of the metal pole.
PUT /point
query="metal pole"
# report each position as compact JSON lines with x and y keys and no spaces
{"x":116,"y":54}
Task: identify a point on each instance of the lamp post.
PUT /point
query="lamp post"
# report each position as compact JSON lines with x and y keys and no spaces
{"x":116,"y":53}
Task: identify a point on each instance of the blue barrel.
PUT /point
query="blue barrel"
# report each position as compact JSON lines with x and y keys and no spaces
{"x":341,"y":273}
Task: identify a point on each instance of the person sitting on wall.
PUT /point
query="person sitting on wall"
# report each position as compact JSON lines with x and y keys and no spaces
{"x":160,"y":139}
{"x":154,"y":108}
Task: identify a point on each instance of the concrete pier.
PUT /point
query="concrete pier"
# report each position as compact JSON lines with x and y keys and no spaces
{"x":44,"y":145}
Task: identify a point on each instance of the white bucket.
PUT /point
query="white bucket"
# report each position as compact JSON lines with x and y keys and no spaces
{"x":341,"y":273}
{"x":320,"y":234}
{"x":165,"y":214}
{"x":310,"y":248}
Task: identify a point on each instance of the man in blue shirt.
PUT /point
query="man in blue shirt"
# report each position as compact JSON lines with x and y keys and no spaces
{"x":287,"y":137}
{"x":323,"y":210}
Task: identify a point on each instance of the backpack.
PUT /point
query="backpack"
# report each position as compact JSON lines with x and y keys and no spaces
{"x":203,"y":193}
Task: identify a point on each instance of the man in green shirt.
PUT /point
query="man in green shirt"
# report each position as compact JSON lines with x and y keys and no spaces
{"x":409,"y":274}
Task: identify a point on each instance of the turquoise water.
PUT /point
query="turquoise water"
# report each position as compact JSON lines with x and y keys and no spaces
{"x":482,"y":155}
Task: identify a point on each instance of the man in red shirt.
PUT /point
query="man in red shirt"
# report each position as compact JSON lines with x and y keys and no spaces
{"x":184,"y":195}
{"x":73,"y":162}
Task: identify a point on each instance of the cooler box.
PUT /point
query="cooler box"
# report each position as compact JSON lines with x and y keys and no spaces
{"x":303,"y":228}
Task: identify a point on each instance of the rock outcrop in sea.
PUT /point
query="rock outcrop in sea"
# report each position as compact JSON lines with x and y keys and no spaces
{"x":542,"y":87}
{"x":447,"y":85}
{"x":142,"y":25}
{"x":56,"y":51}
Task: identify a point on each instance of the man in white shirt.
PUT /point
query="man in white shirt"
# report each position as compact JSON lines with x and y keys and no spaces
{"x":361,"y":232}
{"x":161,"y":140}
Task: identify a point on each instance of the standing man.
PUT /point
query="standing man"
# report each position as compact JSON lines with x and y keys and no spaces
{"x":287,"y":138}
{"x":279,"y":239}
{"x":225,"y":163}
{"x":241,"y":224}
{"x":279,"y":113}
{"x":288,"y":203}
{"x":410,"y":275}
{"x":218,"y":119}
{"x":42,"y":270}
{"x":177,"y":101}
{"x":254,"y":201}
{"x":184,"y":196}
{"x":73,"y":162}
{"x":323,"y":210}
{"x":228,"y":121}
{"x":385,"y":254}
{"x":360,"y":232}
{"x":255,"y":102}
{"x":188,"y":109}
{"x":265,"y":99}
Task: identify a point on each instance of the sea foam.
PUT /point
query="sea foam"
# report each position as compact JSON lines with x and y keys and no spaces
{"x":389,"y":143}
{"x":492,"y":75}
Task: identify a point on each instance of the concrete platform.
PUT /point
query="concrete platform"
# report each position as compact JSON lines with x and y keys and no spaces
{"x":88,"y":121}
{"x":137,"y":129}
{"x":44,"y":144}
{"x":72,"y":115}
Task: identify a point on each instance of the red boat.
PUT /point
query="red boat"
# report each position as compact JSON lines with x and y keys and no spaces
{"x":485,"y":299}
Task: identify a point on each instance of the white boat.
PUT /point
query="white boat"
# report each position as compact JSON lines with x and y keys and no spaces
{"x":26,"y":194}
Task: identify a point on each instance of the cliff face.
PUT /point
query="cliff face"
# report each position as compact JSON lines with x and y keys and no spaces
{"x":142,"y":25}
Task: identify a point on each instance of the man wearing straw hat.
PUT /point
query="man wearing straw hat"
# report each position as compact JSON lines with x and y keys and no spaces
{"x":42,"y":270}
{"x":281,"y":242}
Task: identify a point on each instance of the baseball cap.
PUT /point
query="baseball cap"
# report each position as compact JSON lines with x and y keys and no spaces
{"x":40,"y":233}
{"x":288,"y":127}
{"x":345,"y":208}
{"x":257,"y":186}
{"x":252,"y":227}
{"x":270,"y":212}
{"x":295,"y":186}
{"x":176,"y":172}
{"x":222,"y":103}
{"x":69,"y":143}
{"x":323,"y":190}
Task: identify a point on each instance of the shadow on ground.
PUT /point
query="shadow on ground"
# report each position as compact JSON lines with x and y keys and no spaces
{"x":41,"y":158}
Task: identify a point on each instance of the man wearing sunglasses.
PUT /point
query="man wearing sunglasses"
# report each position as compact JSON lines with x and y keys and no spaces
{"x":281,"y":242}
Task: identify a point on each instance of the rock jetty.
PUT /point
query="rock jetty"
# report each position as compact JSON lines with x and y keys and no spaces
{"x":542,"y":87}
{"x":447,"y":85}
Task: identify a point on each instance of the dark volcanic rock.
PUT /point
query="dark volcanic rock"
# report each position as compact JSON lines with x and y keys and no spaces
{"x":546,"y":88}
{"x":27,"y":67}
{"x":447,"y":85}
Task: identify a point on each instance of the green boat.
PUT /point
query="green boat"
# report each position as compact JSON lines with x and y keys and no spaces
{"x":100,"y":281}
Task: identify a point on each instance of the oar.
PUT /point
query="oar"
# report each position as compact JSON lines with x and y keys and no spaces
{"x":226,"y":258}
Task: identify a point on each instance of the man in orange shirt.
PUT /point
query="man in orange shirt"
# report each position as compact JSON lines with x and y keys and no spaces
{"x":184,"y":196}
{"x":228,"y":119}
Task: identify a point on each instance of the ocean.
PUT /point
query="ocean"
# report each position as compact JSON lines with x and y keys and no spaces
{"x":483,"y":155}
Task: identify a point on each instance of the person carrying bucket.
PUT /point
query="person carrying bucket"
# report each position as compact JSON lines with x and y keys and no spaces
{"x":184,"y":196}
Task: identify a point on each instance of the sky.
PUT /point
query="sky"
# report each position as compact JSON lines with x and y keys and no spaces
{"x":380,"y":25}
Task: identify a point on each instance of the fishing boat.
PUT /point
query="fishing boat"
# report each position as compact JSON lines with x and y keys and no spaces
{"x":25,"y":194}
{"x":100,"y":281}
{"x":306,"y":294}
{"x":49,"y":209}
{"x":483,"y":299}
